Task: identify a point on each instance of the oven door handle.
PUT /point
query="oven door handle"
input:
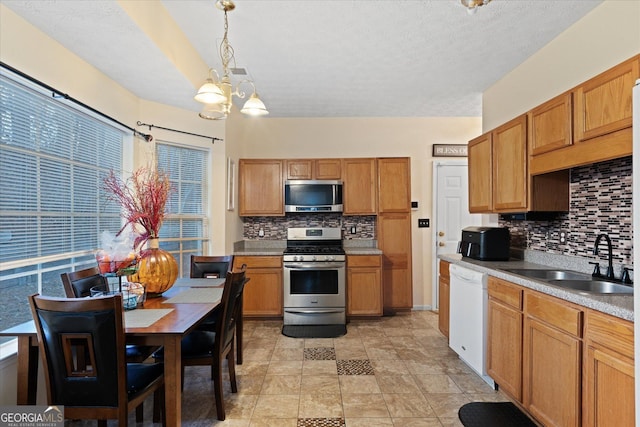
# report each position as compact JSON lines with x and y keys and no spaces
{"x":324,"y":311}
{"x":314,"y":266}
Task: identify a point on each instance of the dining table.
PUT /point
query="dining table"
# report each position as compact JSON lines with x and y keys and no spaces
{"x":161,"y":321}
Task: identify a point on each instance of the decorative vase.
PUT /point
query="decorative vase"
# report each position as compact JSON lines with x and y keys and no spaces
{"x":158,"y":269}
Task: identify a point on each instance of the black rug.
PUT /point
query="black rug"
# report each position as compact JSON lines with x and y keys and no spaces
{"x":314,"y":331}
{"x":493,"y":414}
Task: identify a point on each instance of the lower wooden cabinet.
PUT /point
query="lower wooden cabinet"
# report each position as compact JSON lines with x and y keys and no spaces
{"x":364,"y":287}
{"x":394,"y":239}
{"x":504,"y":336}
{"x":608,"y":383}
{"x":552,"y":360}
{"x":263,"y":293}
{"x":443,"y":299}
{"x":568,"y":365}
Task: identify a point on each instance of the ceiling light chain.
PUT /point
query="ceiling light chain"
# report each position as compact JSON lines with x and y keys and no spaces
{"x":217,"y":94}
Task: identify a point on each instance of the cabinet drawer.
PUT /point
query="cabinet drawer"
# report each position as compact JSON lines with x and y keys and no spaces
{"x":363,"y":261}
{"x":613,"y":333}
{"x":258,"y":261}
{"x":444,"y":269}
{"x":505,"y":292}
{"x":554,"y":312}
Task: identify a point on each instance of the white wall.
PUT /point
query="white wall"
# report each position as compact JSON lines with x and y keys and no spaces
{"x":365,"y":137}
{"x":606,"y":36}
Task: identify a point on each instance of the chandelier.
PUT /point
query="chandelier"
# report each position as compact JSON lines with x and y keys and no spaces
{"x":217,"y":93}
{"x":473,"y":5}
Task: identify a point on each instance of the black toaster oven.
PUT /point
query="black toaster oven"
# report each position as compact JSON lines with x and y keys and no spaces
{"x":485,"y":243}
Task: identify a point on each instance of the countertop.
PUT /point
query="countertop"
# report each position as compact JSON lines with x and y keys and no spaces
{"x":616,"y":305}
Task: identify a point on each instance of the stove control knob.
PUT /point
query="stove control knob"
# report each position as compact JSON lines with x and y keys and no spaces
{"x":313,"y":258}
{"x":299,"y":258}
{"x":330,"y":258}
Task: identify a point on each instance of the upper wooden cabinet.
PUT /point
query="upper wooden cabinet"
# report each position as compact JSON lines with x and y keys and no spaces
{"x":509,"y":165}
{"x":260,"y":187}
{"x":550,"y":125}
{"x":480,"y":174}
{"x":394,"y":185}
{"x":359,"y":189}
{"x":314,"y":168}
{"x":499,"y":181}
{"x":600,"y":120}
{"x":603,"y":104}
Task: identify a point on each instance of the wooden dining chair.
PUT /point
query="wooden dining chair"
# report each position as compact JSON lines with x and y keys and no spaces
{"x":210,"y":266}
{"x":217,"y":266}
{"x":78,"y":284}
{"x":106,"y":387}
{"x":211,"y":348}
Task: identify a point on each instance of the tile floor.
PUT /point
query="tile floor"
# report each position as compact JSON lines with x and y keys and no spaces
{"x":395,"y":371}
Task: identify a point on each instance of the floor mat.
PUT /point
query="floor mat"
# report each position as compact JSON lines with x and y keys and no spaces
{"x":493,"y":414}
{"x":314,"y":331}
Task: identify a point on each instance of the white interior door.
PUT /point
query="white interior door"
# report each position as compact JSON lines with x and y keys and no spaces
{"x":451,"y":207}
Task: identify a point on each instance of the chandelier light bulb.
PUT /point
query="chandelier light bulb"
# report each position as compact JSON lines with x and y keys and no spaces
{"x":210,"y":93}
{"x":254,"y":106}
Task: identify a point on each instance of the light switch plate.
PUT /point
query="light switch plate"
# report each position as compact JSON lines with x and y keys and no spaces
{"x":423,"y":222}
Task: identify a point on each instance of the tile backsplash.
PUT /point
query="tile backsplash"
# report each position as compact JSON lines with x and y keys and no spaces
{"x":275,"y":228}
{"x":600,"y":202}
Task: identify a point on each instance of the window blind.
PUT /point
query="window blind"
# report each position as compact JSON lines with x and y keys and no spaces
{"x":53,"y":159}
{"x":185,"y":230}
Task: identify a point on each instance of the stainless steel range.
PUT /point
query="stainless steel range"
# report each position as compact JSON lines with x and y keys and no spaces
{"x":314,"y":277}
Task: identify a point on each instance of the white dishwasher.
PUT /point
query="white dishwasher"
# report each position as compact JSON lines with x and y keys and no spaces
{"x":468,"y":317}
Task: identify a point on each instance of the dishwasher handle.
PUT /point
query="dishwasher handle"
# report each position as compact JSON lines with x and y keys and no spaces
{"x":466,"y":274}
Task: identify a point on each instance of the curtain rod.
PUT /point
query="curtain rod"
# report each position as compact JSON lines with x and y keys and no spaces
{"x":212,"y":138}
{"x":55,"y":93}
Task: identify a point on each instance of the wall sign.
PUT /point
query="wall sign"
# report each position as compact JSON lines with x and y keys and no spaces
{"x":449,"y":150}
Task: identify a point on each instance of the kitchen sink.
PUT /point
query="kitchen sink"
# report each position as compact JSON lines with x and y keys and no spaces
{"x":573,"y":280}
{"x":594,"y":286}
{"x":549,"y":274}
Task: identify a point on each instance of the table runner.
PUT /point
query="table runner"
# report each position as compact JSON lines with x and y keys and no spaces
{"x":207,"y":295}
{"x":199,"y":283}
{"x":143,"y":318}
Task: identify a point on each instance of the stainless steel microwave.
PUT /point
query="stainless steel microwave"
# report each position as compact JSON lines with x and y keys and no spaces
{"x":312,"y":196}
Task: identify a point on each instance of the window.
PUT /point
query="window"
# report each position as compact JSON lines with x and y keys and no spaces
{"x":184,"y":231}
{"x":53,"y":157}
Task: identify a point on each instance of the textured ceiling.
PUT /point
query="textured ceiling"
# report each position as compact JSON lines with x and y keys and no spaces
{"x":312,"y":58}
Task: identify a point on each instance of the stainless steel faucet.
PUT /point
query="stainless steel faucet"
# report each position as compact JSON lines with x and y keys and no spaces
{"x":609,"y":274}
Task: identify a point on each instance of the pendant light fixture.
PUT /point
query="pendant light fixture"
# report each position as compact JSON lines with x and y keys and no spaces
{"x":473,"y":5}
{"x":217,"y":93}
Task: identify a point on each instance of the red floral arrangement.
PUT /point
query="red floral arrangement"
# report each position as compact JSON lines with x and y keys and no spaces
{"x":143,"y":198}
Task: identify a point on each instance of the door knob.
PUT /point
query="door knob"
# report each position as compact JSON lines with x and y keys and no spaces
{"x":441,"y":243}
{"x":441,"y":233}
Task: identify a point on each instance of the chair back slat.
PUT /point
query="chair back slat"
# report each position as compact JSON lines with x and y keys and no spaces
{"x":231,"y":295}
{"x":78,"y":284}
{"x":67,"y":326}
